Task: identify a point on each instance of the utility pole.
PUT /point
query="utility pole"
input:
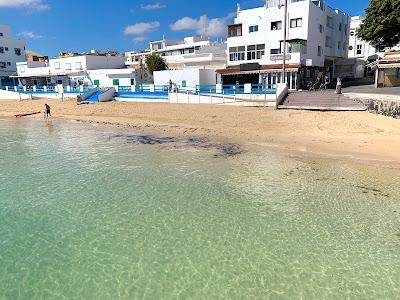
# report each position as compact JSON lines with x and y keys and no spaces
{"x":285,"y":40}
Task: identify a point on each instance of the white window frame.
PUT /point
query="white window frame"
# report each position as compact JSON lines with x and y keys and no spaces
{"x":253,"y":28}
{"x":57,"y":65}
{"x":298,"y":22}
{"x":78,"y":65}
{"x":68,"y":66}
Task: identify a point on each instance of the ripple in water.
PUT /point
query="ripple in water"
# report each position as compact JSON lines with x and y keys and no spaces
{"x":94,"y":213}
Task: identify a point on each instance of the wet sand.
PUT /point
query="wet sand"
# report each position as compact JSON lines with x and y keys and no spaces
{"x":359,"y":136}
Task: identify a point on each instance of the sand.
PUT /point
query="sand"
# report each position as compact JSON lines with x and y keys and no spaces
{"x":359,"y":136}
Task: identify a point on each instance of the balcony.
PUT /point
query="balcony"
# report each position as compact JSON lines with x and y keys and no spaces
{"x":234,"y":30}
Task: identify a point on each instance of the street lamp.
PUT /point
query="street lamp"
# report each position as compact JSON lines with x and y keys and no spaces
{"x":284,"y":37}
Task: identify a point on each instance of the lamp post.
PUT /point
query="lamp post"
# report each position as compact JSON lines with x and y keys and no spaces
{"x":285,"y":21}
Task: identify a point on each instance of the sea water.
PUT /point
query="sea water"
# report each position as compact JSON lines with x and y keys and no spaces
{"x":93,"y":212}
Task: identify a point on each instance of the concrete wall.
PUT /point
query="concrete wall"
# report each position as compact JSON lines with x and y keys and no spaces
{"x":94,"y":62}
{"x":192,"y":77}
{"x":391,"y":77}
{"x":8,"y":95}
{"x":249,"y":100}
{"x":106,"y":77}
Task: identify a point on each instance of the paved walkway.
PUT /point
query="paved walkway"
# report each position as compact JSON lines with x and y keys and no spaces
{"x":322,"y":100}
{"x":371,"y":90}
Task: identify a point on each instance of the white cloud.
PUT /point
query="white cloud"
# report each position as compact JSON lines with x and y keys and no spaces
{"x":140,"y":29}
{"x":30,"y":35}
{"x":153,"y":6}
{"x":39,"y":5}
{"x":204,"y":26}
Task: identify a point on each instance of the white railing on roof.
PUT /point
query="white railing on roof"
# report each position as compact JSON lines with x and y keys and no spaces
{"x":276,"y":3}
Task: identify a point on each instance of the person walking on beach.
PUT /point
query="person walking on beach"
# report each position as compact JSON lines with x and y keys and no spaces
{"x":47,"y":111}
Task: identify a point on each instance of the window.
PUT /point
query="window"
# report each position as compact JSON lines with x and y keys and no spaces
{"x":57,"y":65}
{"x":359,"y":49}
{"x":352,"y":33}
{"x":255,"y":51}
{"x":351,"y":48}
{"x":96,"y":82}
{"x":297,"y":46}
{"x":17,"y":51}
{"x":22,"y":69}
{"x":275,"y":51}
{"x":398,"y":73}
{"x":1,"y":34}
{"x":1,"y":50}
{"x":6,"y":48}
{"x":2,"y":65}
{"x":339,"y":45}
{"x":184,"y":83}
{"x":235,"y":30}
{"x":67,"y":66}
{"x":321,"y":28}
{"x":328,"y":42}
{"x":276,"y":25}
{"x":329,"y":22}
{"x":8,"y":64}
{"x":132,"y":81}
{"x":253,"y":28}
{"x":340,"y":26}
{"x":237,"y":53}
{"x":296,"y":22}
{"x":78,"y":66}
{"x":115,"y":81}
{"x":319,"y":50}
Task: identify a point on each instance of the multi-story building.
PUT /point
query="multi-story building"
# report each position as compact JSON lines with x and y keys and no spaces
{"x":11,"y":51}
{"x":192,"y":52}
{"x":316,"y":36}
{"x":359,"y":48}
{"x":92,"y":69}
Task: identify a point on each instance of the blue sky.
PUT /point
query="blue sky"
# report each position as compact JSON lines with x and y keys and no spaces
{"x":51,"y":26}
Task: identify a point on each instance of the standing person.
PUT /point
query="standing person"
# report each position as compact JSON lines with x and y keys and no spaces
{"x":339,"y":85}
{"x":326,"y":82}
{"x":47,"y":110}
{"x":170,"y":85}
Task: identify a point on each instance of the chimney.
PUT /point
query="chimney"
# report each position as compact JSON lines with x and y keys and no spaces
{"x":238,"y":9}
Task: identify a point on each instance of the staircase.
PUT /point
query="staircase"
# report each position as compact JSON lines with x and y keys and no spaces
{"x":320,"y":100}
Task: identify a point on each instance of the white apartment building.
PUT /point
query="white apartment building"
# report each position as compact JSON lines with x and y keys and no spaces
{"x":192,"y":52}
{"x":357,"y":47}
{"x":87,"y":69}
{"x":316,"y":36}
{"x":11,"y":51}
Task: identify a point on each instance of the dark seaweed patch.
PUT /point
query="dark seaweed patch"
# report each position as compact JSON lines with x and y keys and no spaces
{"x":225,"y":150}
{"x":371,"y":190}
{"x":149,"y":139}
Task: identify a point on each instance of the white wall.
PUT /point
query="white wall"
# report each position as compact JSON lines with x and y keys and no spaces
{"x":94,"y":62}
{"x":106,"y":76}
{"x":9,"y":56}
{"x":192,"y":77}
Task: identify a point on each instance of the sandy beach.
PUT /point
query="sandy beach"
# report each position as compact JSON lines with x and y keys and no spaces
{"x":341,"y":135}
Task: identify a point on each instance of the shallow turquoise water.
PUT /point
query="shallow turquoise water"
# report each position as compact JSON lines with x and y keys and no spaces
{"x":87,"y":212}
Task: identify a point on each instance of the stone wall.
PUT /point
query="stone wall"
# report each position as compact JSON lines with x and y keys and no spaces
{"x":390,"y":108}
